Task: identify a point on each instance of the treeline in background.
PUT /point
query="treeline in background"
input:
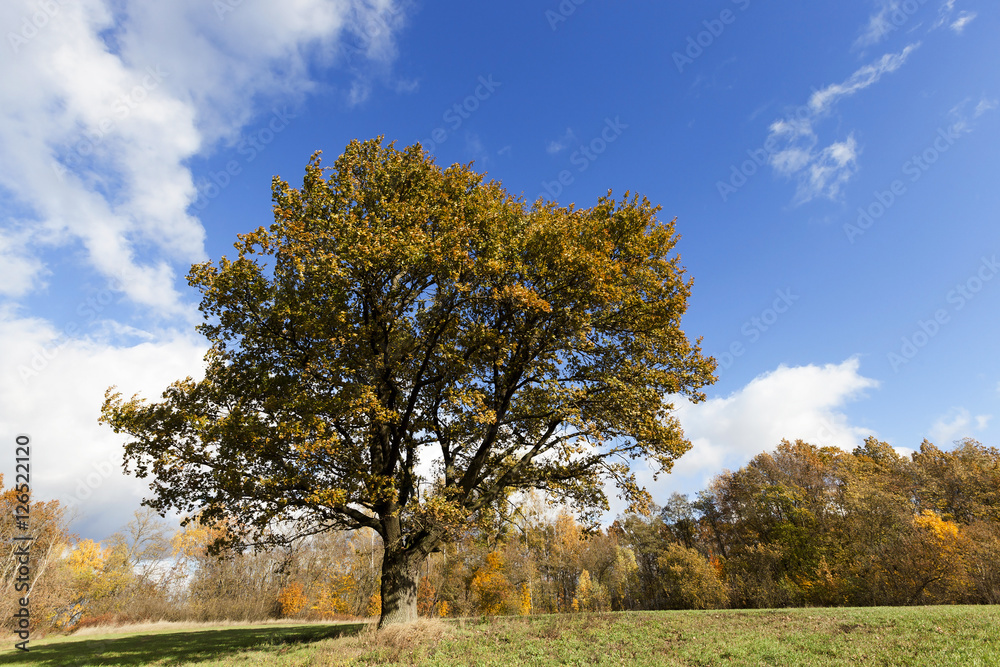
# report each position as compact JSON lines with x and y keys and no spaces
{"x":800,"y":526}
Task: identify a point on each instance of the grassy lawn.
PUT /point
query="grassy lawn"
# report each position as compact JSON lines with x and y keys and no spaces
{"x":965,"y":636}
{"x":880,"y":636}
{"x":265,"y":644}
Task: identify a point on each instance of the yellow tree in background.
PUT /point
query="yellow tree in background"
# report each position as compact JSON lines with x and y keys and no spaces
{"x":937,"y":553}
{"x":292,"y":599}
{"x":492,"y":590}
{"x":45,"y":584}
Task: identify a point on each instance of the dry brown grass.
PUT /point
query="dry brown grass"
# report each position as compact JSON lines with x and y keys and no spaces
{"x":424,"y":631}
{"x":398,"y":644}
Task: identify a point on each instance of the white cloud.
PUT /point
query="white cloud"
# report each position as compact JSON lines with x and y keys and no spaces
{"x":950,"y":426}
{"x":51,"y":388}
{"x":828,"y":171}
{"x":801,"y":402}
{"x":20,"y":272}
{"x":956,"y":424}
{"x":104,"y":103}
{"x":822,"y":100}
{"x":822,"y":172}
{"x":964,"y":19}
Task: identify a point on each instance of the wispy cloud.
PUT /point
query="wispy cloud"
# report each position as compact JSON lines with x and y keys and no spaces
{"x":562,"y":143}
{"x":985,"y":105}
{"x":963,"y":19}
{"x":476,"y":149}
{"x":961,"y":116}
{"x":880,"y":24}
{"x":829,"y":171}
{"x":957,"y":423}
{"x":823,"y":171}
{"x":822,"y":100}
{"x":359,"y":92}
{"x":947,"y":16}
{"x":893,"y":15}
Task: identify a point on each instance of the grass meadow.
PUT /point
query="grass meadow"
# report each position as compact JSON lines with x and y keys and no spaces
{"x":953,"y":635}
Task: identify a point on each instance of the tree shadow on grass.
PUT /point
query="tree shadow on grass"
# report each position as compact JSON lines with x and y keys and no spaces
{"x":172,"y":648}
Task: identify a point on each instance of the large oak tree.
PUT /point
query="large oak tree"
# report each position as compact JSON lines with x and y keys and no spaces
{"x":406,"y":346}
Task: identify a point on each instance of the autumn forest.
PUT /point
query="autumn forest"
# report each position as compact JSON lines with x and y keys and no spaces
{"x":797,"y":526}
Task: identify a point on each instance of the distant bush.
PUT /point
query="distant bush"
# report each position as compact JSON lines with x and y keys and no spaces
{"x":690,"y":580}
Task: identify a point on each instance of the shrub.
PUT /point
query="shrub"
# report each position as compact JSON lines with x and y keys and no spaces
{"x":689,"y":579}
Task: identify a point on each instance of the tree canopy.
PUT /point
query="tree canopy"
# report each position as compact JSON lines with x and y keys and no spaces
{"x":408,"y":345}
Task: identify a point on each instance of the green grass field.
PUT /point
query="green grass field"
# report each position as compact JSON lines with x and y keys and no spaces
{"x":878,"y":636}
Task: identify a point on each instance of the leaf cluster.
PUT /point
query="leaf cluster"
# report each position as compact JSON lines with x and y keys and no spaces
{"x":397,"y":312}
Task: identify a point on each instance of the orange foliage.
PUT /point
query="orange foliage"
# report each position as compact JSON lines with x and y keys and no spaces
{"x":292,"y":599}
{"x":333,"y":597}
{"x":426,"y":597}
{"x":374,"y":605}
{"x":490,"y":587}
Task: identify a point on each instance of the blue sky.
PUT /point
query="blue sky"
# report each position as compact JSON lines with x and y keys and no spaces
{"x":833,"y":168}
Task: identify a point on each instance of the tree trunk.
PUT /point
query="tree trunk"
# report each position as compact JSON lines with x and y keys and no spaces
{"x":400,"y":574}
